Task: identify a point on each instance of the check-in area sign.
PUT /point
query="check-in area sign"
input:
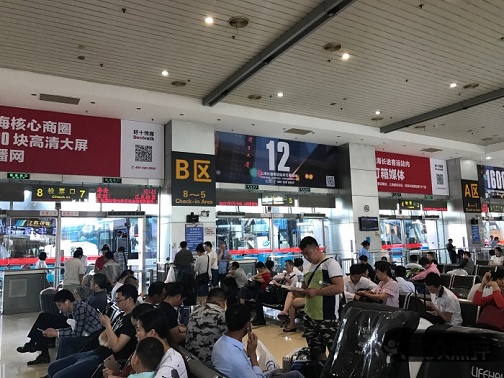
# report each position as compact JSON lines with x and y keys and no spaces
{"x":193,"y":179}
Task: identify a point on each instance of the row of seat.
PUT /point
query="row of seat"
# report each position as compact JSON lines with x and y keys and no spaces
{"x":479,"y":270}
{"x":459,"y":285}
{"x":469,"y":311}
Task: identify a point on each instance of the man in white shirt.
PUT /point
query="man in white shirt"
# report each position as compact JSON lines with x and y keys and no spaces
{"x":214,"y":263}
{"x":74,"y":271}
{"x":404,"y":286}
{"x":444,"y":304}
{"x":497,"y":259}
{"x":356,"y":281}
{"x":276,"y":290}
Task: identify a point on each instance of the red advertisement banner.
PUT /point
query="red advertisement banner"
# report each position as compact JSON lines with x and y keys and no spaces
{"x":37,"y":141}
{"x":403,"y":173}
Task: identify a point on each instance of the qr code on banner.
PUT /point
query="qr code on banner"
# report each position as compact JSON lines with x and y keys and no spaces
{"x":439,"y":179}
{"x":143,"y":153}
{"x":330,"y":183}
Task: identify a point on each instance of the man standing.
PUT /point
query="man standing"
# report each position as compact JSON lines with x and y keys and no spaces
{"x":74,"y":271}
{"x":100,"y":261}
{"x":111,"y":269}
{"x":322,"y":283}
{"x":206,"y":325}
{"x":121,"y":259}
{"x":214,"y":266}
{"x":183,"y":261}
{"x":450,"y":248}
{"x":73,"y":333}
{"x":223,"y":256}
{"x":228,"y":355}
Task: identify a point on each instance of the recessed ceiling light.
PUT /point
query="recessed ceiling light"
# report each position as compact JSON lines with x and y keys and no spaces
{"x":488,"y":157}
{"x":164,"y":73}
{"x":280,"y":94}
{"x":453,"y":85}
{"x":345,"y":56}
{"x":209,"y":20}
{"x":377,"y":112}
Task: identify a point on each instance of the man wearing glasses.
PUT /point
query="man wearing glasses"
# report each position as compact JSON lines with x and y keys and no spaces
{"x":117,"y":339}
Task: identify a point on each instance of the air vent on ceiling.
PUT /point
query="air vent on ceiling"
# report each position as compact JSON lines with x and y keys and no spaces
{"x":298,"y":131}
{"x":238,"y":22}
{"x":430,"y":149}
{"x":486,"y":139}
{"x":60,"y":99}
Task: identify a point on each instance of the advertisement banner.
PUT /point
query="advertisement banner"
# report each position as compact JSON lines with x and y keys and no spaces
{"x":398,"y":173}
{"x":439,"y":177}
{"x":247,"y":159}
{"x":36,"y":141}
{"x":193,"y":179}
{"x":491,"y":181}
{"x":470,"y":196}
{"x":403,"y":173}
{"x":142,"y":150}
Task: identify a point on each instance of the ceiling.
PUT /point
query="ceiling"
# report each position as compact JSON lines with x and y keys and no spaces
{"x":403,"y":58}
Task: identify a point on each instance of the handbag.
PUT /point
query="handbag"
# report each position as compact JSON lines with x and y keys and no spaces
{"x":253,"y":285}
{"x":204,"y":278}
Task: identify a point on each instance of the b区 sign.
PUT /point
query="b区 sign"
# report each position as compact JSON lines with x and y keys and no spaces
{"x":193,"y":179}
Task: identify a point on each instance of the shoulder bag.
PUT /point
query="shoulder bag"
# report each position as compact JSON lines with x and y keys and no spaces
{"x":204,"y":278}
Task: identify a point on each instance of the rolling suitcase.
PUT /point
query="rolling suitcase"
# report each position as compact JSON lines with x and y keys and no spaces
{"x":46,"y":301}
{"x":300,"y":360}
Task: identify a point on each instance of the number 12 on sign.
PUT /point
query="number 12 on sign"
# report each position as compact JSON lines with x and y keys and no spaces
{"x":281,"y":147}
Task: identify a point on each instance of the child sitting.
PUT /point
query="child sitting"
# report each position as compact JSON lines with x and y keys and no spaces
{"x":148,"y":354}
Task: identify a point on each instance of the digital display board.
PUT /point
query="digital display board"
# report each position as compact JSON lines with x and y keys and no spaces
{"x":409,"y":205}
{"x":112,"y":180}
{"x":491,"y":181}
{"x":59,"y":193}
{"x":18,"y":176}
{"x":278,"y":200}
{"x":247,"y":159}
{"x":114,"y":194}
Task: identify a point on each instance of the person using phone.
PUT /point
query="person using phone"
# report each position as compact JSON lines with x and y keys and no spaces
{"x":228,"y":354}
{"x":492,"y":306}
{"x":72,"y":333}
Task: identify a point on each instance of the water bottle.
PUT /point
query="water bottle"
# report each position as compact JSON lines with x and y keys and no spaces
{"x":249,"y":276}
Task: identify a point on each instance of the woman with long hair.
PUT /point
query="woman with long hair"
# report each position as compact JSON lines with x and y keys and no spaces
{"x":387,"y":289}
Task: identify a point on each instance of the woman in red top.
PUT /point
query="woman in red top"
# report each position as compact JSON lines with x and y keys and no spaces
{"x":492,"y":306}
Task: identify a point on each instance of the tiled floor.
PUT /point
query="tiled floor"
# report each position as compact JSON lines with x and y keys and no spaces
{"x":14,"y":328}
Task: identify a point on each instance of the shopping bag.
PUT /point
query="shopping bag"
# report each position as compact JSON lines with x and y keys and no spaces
{"x":170,"y":277}
{"x":265,"y":359}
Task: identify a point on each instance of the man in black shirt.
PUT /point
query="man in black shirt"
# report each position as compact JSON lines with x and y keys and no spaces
{"x":117,"y":339}
{"x":176,"y":293}
{"x":368,"y":268}
{"x":183,"y":261}
{"x":451,"y":251}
